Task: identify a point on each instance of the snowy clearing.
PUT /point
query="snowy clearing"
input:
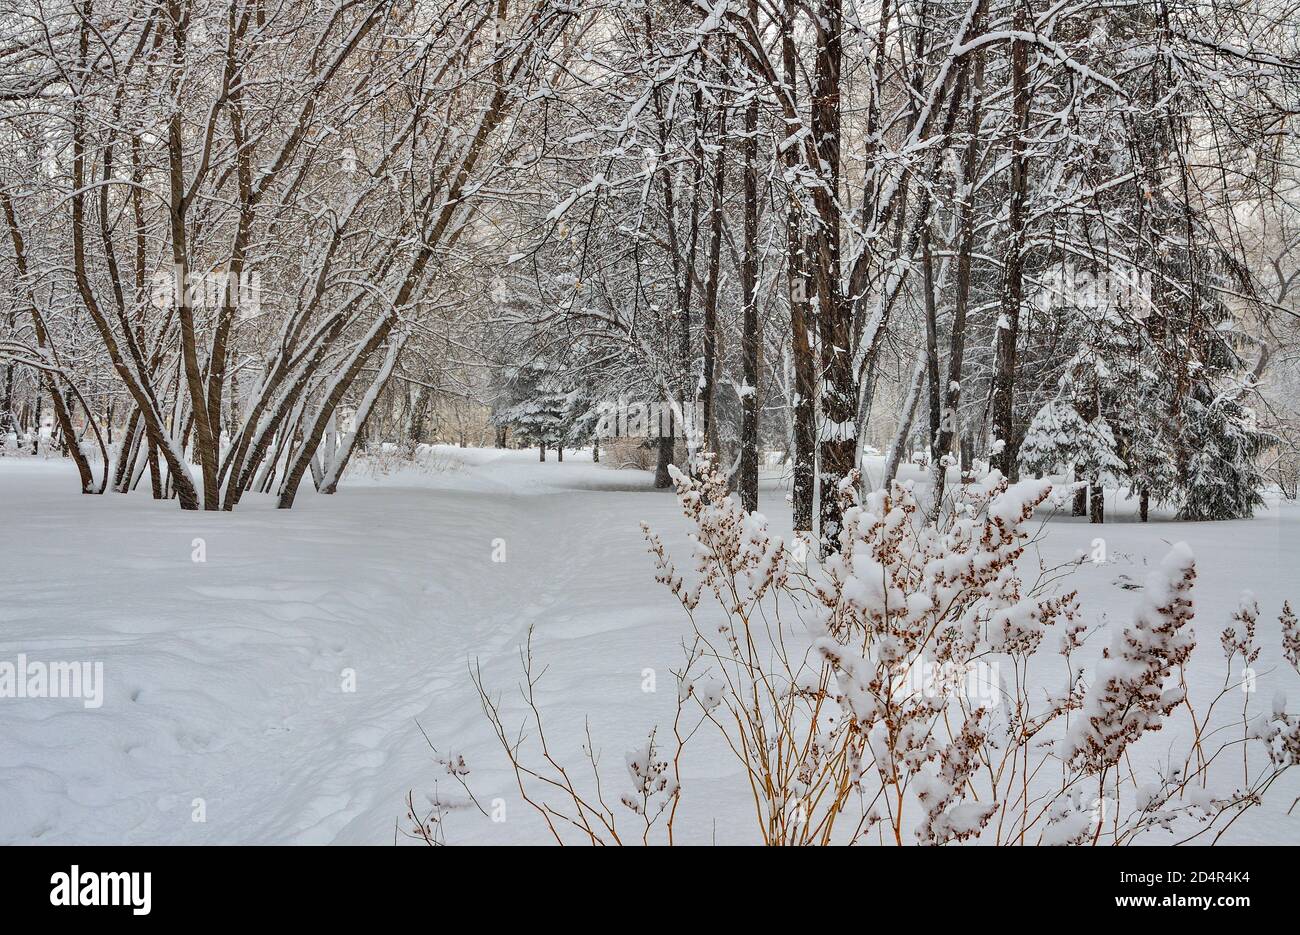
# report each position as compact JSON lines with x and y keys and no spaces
{"x":225,"y":680}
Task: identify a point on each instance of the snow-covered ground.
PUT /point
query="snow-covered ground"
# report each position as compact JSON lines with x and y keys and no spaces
{"x":228,"y":682}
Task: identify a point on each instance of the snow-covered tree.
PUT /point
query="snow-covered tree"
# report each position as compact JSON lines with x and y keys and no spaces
{"x":1222,"y":477}
{"x":537,"y":406}
{"x":1061,"y":441}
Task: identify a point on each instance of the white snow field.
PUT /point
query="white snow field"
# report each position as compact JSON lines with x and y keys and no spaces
{"x":225,"y":680}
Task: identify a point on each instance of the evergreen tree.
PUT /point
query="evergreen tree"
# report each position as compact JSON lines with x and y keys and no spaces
{"x":1220,"y":479}
{"x":536,"y":405}
{"x":1060,"y":440}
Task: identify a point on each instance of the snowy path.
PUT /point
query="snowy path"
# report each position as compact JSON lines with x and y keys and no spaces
{"x":225,"y":678}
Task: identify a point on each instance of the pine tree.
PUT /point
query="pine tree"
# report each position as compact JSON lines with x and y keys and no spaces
{"x":1221,"y":479}
{"x":537,"y":404}
{"x":1076,"y":431}
{"x":1060,"y":439}
{"x":1132,"y":391}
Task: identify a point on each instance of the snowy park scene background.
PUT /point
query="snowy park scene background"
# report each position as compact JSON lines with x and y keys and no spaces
{"x":787,"y":422}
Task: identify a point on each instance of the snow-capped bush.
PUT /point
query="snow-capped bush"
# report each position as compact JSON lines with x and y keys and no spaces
{"x":822,"y":682}
{"x":1290,"y":636}
{"x":1132,"y":691}
{"x":389,"y":458}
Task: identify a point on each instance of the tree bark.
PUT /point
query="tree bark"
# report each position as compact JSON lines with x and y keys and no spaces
{"x":664,"y":457}
{"x":711,"y":285}
{"x":932,"y":368}
{"x":839,"y":397}
{"x":419,"y":415}
{"x":1008,"y":330}
{"x":750,"y":338}
{"x":896,"y":450}
{"x":1097,"y":504}
{"x":965,"y":196}
{"x":339,"y":460}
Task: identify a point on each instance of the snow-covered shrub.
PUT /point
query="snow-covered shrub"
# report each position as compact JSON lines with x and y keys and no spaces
{"x":885,"y":695}
{"x":651,"y":787}
{"x":1132,"y":691}
{"x":831,"y":694}
{"x":1290,"y":636}
{"x":383,"y":460}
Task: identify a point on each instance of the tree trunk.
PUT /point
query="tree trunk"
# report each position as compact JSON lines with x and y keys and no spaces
{"x":155,"y":474}
{"x":419,"y":415}
{"x":804,"y":482}
{"x":932,"y":368}
{"x":750,"y":338}
{"x":1144,"y":505}
{"x":839,"y":397}
{"x":63,"y":416}
{"x":664,"y":457}
{"x":961,"y":302}
{"x":1097,"y":504}
{"x":7,"y":421}
{"x":804,"y":485}
{"x":895,"y":457}
{"x":967,"y":459}
{"x":132,"y":439}
{"x":1008,"y":330}
{"x":711,"y":284}
{"x":338,"y":461}
{"x":205,"y":442}
{"x":312,"y":434}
